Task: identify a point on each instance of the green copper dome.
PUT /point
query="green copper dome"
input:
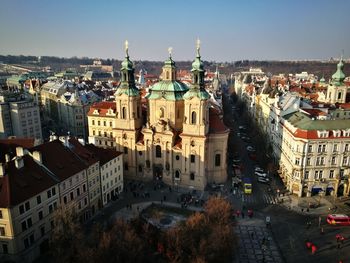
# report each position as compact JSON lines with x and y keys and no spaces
{"x":202,"y":94}
{"x":197,"y":63}
{"x":169,"y":90}
{"x":339,"y":76}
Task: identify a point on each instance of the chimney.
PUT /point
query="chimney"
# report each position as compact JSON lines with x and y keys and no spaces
{"x":19,"y":162}
{"x":2,"y":170}
{"x":7,"y":158}
{"x":19,"y":151}
{"x":37,"y":156}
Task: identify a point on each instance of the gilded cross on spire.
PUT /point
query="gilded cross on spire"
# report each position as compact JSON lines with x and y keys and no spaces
{"x":126,"y":45}
{"x":170,"y":49}
{"x":198,"y":46}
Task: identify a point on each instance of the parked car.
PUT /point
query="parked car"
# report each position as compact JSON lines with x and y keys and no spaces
{"x":259,"y":169}
{"x":264,"y":180}
{"x":260,"y":174}
{"x":250,"y":149}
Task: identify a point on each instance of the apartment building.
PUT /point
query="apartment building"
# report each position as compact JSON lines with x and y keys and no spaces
{"x":101,"y":121}
{"x":92,"y":161}
{"x":71,"y":172}
{"x":20,"y":117}
{"x":308,"y":140}
{"x":111,"y":172}
{"x":28,"y":197}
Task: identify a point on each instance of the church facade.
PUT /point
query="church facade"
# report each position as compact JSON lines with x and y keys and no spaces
{"x":173,"y":134}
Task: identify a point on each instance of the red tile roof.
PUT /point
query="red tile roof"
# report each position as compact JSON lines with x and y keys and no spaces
{"x":86,"y":155}
{"x":216,"y":125}
{"x":315,"y":112}
{"x":59,"y":159}
{"x":18,"y":185}
{"x":8,"y":146}
{"x":102,"y":107}
{"x":105,"y":155}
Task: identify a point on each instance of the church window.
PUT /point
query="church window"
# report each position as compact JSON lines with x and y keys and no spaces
{"x":194,"y":117}
{"x":217,"y":159}
{"x":158,"y":151}
{"x":124,"y":113}
{"x":195,"y":78}
{"x":125,"y":150}
{"x":177,"y":174}
{"x":167,"y":75}
{"x":193,"y":158}
{"x":93,"y":122}
{"x":104,"y":123}
{"x":98,"y":123}
{"x":93,"y":132}
{"x":177,"y":157}
{"x":140,"y":153}
{"x":192,"y":176}
{"x":339,"y":95}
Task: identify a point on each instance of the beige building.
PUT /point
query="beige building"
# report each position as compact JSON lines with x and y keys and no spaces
{"x":180,"y":139}
{"x":111,"y":172}
{"x":28,"y":197}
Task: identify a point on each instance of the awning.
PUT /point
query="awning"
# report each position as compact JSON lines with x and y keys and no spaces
{"x":316,"y":189}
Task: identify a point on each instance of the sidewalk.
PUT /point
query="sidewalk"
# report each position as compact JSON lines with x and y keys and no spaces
{"x":311,"y":205}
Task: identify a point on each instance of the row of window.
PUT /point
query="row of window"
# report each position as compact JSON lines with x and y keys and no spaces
{"x":105,"y":134}
{"x":318,"y":174}
{"x":71,"y":194}
{"x":320,"y":160}
{"x":104,"y":123}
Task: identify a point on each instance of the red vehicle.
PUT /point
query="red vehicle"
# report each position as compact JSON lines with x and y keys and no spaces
{"x":338,"y":219}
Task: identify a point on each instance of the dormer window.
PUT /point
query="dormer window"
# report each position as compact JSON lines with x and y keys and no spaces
{"x":110,"y":112}
{"x":346,"y":133}
{"x":95,"y":112}
{"x":336,"y":133}
{"x":322,"y":134}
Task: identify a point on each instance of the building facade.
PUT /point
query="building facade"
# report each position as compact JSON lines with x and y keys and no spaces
{"x":174,"y":135}
{"x":20,"y":117}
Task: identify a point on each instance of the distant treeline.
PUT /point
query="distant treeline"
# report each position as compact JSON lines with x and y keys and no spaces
{"x":318,"y":68}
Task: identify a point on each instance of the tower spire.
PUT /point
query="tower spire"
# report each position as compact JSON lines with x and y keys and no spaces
{"x":126,"y":46}
{"x":170,"y":50}
{"x":198,"y":47}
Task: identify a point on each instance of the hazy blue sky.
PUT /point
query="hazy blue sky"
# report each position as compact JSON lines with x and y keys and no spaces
{"x":229,"y":30}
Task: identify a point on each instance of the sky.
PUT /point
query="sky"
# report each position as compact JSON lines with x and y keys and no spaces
{"x":229,"y":30}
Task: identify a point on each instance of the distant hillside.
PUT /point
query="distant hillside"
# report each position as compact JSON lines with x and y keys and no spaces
{"x":318,"y":68}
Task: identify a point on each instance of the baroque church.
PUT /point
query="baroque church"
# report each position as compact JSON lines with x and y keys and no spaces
{"x":173,"y":134}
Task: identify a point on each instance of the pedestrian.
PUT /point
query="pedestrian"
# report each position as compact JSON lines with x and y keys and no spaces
{"x":308,"y":244}
{"x":313,"y":249}
{"x":242,"y":214}
{"x":238,"y":213}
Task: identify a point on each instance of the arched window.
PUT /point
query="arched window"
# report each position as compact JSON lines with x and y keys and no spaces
{"x":192,"y":176}
{"x":177,"y":174}
{"x":124,"y":113}
{"x":167,"y":75}
{"x":158,"y":151}
{"x":193,"y":117}
{"x":217,"y":159}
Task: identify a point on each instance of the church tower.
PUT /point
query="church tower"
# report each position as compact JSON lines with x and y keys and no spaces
{"x":336,"y":91}
{"x":128,"y":114}
{"x":195,"y":129}
{"x":196,"y":101}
